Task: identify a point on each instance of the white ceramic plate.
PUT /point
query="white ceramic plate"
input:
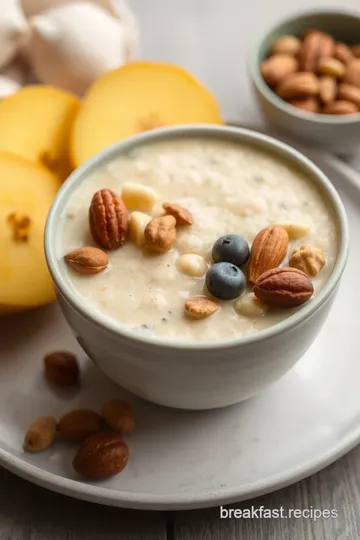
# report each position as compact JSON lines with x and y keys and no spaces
{"x":182,"y":460}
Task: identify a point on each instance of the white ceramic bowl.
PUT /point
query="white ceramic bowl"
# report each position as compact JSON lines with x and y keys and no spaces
{"x":335,"y":133}
{"x":200,"y":375}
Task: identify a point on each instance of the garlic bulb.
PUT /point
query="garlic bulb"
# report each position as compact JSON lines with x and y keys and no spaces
{"x":13,"y":30}
{"x":8,"y":86}
{"x":73,"y":44}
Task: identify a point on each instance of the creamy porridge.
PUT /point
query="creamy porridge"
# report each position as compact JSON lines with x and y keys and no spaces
{"x":228,"y":189}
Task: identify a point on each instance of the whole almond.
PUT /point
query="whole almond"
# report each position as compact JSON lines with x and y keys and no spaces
{"x":349,"y":92}
{"x":284,"y":287}
{"x":181,"y":214}
{"x":327,"y":89}
{"x":61,"y":368}
{"x":286,"y":45}
{"x":101,"y":456}
{"x":355,"y":49}
{"x":79,"y":424}
{"x":310,"y":104}
{"x":316,"y":44}
{"x":119,"y":415}
{"x":277,"y":67}
{"x":352,"y":75}
{"x":340,"y":107}
{"x":40,"y":434}
{"x":267,"y":251}
{"x":160,"y":234}
{"x":108,"y":219}
{"x":307,"y":258}
{"x":298,"y":85}
{"x":331,"y":67}
{"x":200,"y":307}
{"x":87,"y":260}
{"x":343,"y":53}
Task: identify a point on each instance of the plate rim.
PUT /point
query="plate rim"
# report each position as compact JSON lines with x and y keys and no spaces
{"x":210,"y":498}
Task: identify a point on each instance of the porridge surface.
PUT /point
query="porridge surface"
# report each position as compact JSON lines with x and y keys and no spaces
{"x":229,"y":188}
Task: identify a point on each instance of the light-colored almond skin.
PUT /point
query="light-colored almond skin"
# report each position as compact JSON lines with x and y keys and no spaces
{"x":40,"y":434}
{"x":349,"y":92}
{"x":101,"y":456}
{"x":61,"y":368}
{"x":310,"y":104}
{"x":298,"y":86}
{"x":277,"y":67}
{"x":79,"y":424}
{"x":284,"y":288}
{"x":200,"y":307}
{"x":340,"y":107}
{"x":119,"y":415}
{"x":309,"y":259}
{"x":316,"y":44}
{"x":286,"y":45}
{"x":160,"y":234}
{"x":352,"y":75}
{"x":182,"y":215}
{"x":331,"y":67}
{"x":327,"y":89}
{"x":87,"y":260}
{"x":343,"y":53}
{"x":267,"y":251}
{"x":355,"y":49}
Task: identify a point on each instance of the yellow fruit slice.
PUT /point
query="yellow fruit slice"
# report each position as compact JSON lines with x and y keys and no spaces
{"x":137,"y":97}
{"x":26,"y":193}
{"x":35,"y":124}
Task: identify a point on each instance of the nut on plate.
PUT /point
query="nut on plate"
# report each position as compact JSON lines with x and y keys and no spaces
{"x":200,"y":307}
{"x":101,"y":456}
{"x":182,"y":215}
{"x":108,"y":219}
{"x":40,"y":434}
{"x":340,"y":107}
{"x":316,"y":44}
{"x":309,"y":259}
{"x":138,"y":197}
{"x":298,"y":85}
{"x":267,"y":251}
{"x":331,"y":67}
{"x":160,"y":234}
{"x":286,"y":45}
{"x":61,"y":368}
{"x":137,"y":224}
{"x":79,"y":424}
{"x":327,"y":89}
{"x":277,"y":67}
{"x":119,"y":415}
{"x":284,"y":288}
{"x":87,"y":260}
{"x":251,"y":306}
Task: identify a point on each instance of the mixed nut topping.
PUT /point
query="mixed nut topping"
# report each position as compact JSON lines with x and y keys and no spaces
{"x":235,"y":268}
{"x":315,"y":73}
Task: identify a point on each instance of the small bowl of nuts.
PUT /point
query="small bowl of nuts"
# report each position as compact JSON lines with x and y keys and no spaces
{"x":306,"y":74}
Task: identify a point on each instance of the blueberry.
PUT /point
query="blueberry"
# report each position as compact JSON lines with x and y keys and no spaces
{"x":225,"y":281}
{"x":231,"y":248}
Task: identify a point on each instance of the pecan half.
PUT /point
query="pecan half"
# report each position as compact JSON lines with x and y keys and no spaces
{"x":108,"y":219}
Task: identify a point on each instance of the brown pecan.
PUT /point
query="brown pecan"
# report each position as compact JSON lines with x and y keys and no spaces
{"x":316,"y":44}
{"x":181,"y":214}
{"x":108,"y":219}
{"x":160,"y":233}
{"x":101,"y":456}
{"x":284,"y":287}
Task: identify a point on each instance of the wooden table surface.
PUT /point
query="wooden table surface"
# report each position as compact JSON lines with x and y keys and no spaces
{"x":209,"y":37}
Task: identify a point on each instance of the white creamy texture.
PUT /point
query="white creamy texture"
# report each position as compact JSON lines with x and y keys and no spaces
{"x":229,"y":188}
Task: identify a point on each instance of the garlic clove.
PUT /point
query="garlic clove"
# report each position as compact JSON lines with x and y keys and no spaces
{"x":8,"y":86}
{"x":74,"y":44}
{"x":14,"y":30}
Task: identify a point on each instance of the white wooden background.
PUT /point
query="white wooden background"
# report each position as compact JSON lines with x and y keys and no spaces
{"x":211,"y":38}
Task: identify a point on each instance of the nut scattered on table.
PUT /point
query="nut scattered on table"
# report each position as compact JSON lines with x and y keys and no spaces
{"x":61,"y":368}
{"x":309,"y":72}
{"x":40,"y":434}
{"x":309,"y":259}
